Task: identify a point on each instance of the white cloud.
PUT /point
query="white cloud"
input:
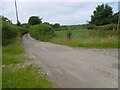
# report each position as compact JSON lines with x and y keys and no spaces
{"x":61,"y":0}
{"x":61,"y":12}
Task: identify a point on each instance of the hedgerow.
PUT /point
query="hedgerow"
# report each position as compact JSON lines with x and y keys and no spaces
{"x":9,"y":32}
{"x":42,"y":32}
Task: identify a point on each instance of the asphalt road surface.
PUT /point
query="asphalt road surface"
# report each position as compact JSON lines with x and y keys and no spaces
{"x":69,"y":67}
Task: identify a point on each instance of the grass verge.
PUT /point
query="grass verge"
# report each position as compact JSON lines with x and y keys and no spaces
{"x":15,"y":74}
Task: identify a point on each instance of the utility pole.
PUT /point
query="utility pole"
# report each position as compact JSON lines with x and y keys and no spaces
{"x":16,"y":11}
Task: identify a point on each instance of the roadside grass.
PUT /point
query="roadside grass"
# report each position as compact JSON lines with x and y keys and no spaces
{"x":17,"y":75}
{"x":88,"y":38}
{"x":11,"y":53}
{"x":27,"y":77}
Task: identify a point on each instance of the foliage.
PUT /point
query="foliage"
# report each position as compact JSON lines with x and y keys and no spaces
{"x":88,"y":38}
{"x":115,"y":18}
{"x":5,"y":19}
{"x":10,"y":32}
{"x":69,"y":34}
{"x":107,"y":27}
{"x":18,"y":23}
{"x":61,"y":28}
{"x":102,"y":15}
{"x":46,"y":23}
{"x":91,"y":26}
{"x":72,"y":27}
{"x":25,"y":25}
{"x":41,"y":32}
{"x":56,"y":25}
{"x":33,"y":20}
{"x":88,"y":27}
{"x":7,"y":34}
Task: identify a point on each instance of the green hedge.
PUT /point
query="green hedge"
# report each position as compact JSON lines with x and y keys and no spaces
{"x":89,"y":26}
{"x":107,"y":27}
{"x":41,"y":32}
{"x":9,"y":32}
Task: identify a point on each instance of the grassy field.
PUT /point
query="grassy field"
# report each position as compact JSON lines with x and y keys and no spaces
{"x":88,"y":38}
{"x":15,"y":74}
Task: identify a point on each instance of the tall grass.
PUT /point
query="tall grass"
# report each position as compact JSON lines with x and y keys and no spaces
{"x":88,"y":38}
{"x":11,"y":53}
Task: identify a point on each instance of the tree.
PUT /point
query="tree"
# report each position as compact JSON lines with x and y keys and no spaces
{"x":102,"y":15}
{"x":18,"y":23}
{"x":56,"y":25}
{"x":33,"y":20}
{"x":46,"y":23}
{"x":4,"y":19}
{"x":115,"y":18}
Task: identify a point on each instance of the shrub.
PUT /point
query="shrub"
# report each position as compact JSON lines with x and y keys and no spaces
{"x":107,"y":27}
{"x":41,"y":32}
{"x":56,"y":25}
{"x":20,"y":30}
{"x":9,"y":32}
{"x":91,"y":26}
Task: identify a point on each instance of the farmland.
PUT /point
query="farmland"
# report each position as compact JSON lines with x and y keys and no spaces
{"x":88,"y":38}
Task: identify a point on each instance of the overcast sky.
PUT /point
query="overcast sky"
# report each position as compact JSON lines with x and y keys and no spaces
{"x":65,"y":12}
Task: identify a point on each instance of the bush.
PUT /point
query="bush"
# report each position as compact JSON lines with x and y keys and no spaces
{"x":20,"y":30}
{"x":107,"y":27}
{"x":41,"y":32}
{"x":91,"y":26}
{"x":9,"y":32}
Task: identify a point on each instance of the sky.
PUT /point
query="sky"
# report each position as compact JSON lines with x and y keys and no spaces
{"x":69,"y":12}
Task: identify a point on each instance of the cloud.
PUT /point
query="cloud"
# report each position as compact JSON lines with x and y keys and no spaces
{"x":61,"y":12}
{"x":61,"y":0}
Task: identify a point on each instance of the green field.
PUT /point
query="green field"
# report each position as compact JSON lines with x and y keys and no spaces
{"x":17,"y":75}
{"x":88,"y":38}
